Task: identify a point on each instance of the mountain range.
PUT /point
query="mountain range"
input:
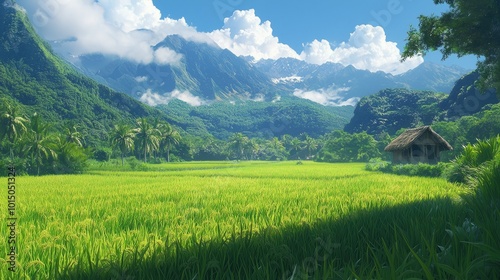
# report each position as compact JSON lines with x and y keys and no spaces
{"x":263,"y":99}
{"x":208,"y":73}
{"x":350,"y":82}
{"x":37,"y":80}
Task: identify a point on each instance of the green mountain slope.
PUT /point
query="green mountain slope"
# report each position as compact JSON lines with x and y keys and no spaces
{"x":30,"y":74}
{"x":392,"y":109}
{"x":290,"y":115}
{"x":465,"y":99}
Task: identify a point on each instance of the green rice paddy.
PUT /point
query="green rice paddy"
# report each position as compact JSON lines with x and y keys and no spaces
{"x":247,"y":220}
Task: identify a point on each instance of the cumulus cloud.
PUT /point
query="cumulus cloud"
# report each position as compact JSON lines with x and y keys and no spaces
{"x":245,"y":34}
{"x":153,"y":99}
{"x":167,"y":56}
{"x":327,"y":97}
{"x":130,"y":28}
{"x":124,"y":28}
{"x":367,"y":49}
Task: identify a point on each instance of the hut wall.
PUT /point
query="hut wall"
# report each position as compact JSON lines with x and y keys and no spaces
{"x":425,"y":149}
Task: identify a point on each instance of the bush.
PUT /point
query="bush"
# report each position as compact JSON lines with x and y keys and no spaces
{"x":102,"y":155}
{"x":18,"y":163}
{"x":377,"y":164}
{"x":470,"y":163}
{"x":156,"y":160}
{"x":421,"y":169}
{"x":136,"y":164}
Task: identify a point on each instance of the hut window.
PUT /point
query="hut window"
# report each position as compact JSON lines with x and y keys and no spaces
{"x":416,"y":151}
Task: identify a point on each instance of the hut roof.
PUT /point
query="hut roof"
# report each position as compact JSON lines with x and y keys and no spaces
{"x":404,"y":140}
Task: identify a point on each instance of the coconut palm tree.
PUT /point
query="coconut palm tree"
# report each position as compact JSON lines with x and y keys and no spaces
{"x":72,"y":135}
{"x":296,"y":147}
{"x":39,"y":144}
{"x":147,"y":136}
{"x":310,"y":145}
{"x":122,"y":138}
{"x":12,"y":123}
{"x":237,"y":143}
{"x":169,"y":137}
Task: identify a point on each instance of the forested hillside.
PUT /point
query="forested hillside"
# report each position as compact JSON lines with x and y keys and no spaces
{"x":31,"y":75}
{"x":392,"y":109}
{"x":288,"y":115}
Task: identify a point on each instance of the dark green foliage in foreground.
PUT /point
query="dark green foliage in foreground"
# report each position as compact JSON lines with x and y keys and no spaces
{"x":468,"y":28}
{"x":477,"y":161}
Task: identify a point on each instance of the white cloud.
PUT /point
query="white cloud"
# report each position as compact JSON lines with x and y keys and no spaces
{"x":276,"y":99}
{"x":124,"y":28}
{"x":259,"y":98}
{"x":141,"y":79}
{"x":153,"y":99}
{"x":367,"y":49}
{"x":291,"y":79}
{"x":187,"y":97}
{"x":167,"y":56}
{"x":327,"y":97}
{"x":245,"y":34}
{"x":129,"y":29}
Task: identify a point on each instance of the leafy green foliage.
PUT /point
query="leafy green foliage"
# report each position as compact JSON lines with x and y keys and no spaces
{"x":290,"y":115}
{"x":32,"y":76}
{"x":38,"y":149}
{"x":469,"y":27}
{"x":392,"y":109}
{"x":476,"y":161}
{"x":468,"y":129}
{"x":344,"y":147}
{"x":420,"y":169}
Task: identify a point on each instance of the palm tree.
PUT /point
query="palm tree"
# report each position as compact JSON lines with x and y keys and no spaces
{"x":253,"y":149}
{"x":122,"y":137}
{"x":147,"y":136}
{"x":72,"y":135}
{"x":237,"y":143}
{"x":169,"y":137}
{"x":39,"y":144}
{"x":296,"y":146}
{"x":310,"y":145}
{"x":12,"y":124}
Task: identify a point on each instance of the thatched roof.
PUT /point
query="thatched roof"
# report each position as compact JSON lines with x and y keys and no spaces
{"x":406,"y":139}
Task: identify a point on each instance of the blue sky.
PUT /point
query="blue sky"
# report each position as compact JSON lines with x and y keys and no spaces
{"x":369,"y":35}
{"x":299,"y":22}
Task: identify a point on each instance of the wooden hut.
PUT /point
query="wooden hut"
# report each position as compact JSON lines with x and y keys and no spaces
{"x":418,"y":145}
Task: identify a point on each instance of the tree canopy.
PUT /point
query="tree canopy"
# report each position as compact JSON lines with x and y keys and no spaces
{"x":468,"y":28}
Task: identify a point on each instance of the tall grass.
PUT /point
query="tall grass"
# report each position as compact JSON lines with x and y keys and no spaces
{"x":250,"y":220}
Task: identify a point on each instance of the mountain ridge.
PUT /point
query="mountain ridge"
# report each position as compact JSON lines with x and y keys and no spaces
{"x":34,"y":77}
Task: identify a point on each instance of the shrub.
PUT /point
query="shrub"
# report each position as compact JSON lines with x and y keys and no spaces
{"x":102,"y":155}
{"x":377,"y":164}
{"x":421,"y":169}
{"x":472,"y":160}
{"x":136,"y":164}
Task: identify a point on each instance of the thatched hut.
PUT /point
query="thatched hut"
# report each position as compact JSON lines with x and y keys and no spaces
{"x":418,"y":145}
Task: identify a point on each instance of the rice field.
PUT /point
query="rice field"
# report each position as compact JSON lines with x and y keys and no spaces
{"x":240,"y":220}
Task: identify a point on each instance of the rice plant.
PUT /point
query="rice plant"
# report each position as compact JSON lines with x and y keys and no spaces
{"x":243,"y":220}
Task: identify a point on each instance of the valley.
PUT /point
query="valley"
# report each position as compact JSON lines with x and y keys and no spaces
{"x":181,"y":159}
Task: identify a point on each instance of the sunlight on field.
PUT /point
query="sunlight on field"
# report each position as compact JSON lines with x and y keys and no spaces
{"x":82,"y":221}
